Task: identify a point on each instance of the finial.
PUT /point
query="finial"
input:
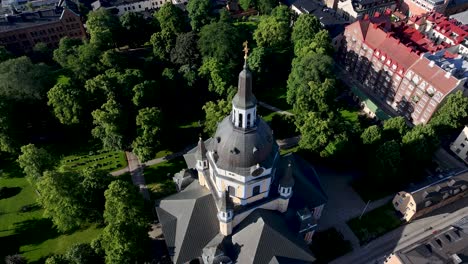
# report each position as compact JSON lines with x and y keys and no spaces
{"x":246,"y":50}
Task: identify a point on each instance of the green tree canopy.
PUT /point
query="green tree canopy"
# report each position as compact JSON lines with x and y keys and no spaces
{"x":35,"y":161}
{"x":185,"y":51}
{"x":419,"y":144}
{"x":163,"y":42}
{"x":80,"y":60}
{"x":82,"y":253}
{"x":214,"y":113}
{"x":395,"y":128}
{"x":272,"y":33}
{"x":246,"y":4}
{"x":57,"y":259}
{"x":317,"y":97}
{"x":220,"y":40}
{"x":66,"y":100}
{"x":5,"y":54}
{"x":372,"y":135}
{"x":386,"y":163}
{"x":135,"y":28}
{"x":218,"y":75}
{"x":146,"y":143}
{"x":304,"y":31}
{"x":111,"y":125}
{"x":20,"y":79}
{"x":104,"y":28}
{"x":266,"y":6}
{"x":453,"y":114}
{"x":125,"y":236}
{"x":171,"y":18}
{"x":199,"y":13}
{"x":146,"y":94}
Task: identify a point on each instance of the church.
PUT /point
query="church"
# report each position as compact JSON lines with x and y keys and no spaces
{"x":239,"y":200}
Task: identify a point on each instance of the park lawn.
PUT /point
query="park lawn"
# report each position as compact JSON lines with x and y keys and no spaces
{"x":101,"y":159}
{"x":266,"y":114}
{"x":158,"y":177}
{"x":375,"y":223}
{"x":29,"y":233}
{"x":163,"y":153}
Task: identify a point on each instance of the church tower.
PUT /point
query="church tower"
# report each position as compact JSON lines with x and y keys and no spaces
{"x":225,"y":214}
{"x":285,"y":188}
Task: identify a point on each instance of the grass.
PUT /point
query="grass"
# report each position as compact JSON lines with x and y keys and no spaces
{"x":275,"y":97}
{"x":163,"y":153}
{"x":159,"y":177}
{"x":266,"y":114}
{"x":27,"y":232}
{"x":289,"y":150}
{"x":101,"y":159}
{"x":375,"y":223}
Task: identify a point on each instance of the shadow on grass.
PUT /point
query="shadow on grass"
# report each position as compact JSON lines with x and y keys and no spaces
{"x":7,"y":192}
{"x":10,"y":168}
{"x":33,"y":232}
{"x":328,"y":245}
{"x":159,"y":177}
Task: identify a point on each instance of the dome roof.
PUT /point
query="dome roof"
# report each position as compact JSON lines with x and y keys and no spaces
{"x":238,"y":148}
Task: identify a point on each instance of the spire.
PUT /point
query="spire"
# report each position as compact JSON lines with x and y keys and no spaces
{"x":200,"y":154}
{"x":287,"y":180}
{"x":244,"y":97}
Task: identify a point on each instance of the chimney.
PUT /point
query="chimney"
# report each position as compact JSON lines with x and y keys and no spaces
{"x":448,"y":74}
{"x":431,"y":63}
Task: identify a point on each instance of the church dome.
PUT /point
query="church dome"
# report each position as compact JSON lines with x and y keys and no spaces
{"x":237,"y":148}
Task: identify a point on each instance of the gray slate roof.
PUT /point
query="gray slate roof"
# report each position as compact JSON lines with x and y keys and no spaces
{"x":189,"y":221}
{"x":263,"y":235}
{"x":239,"y":149}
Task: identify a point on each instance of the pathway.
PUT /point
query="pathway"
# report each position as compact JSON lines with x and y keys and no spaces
{"x":274,"y":109}
{"x":136,"y":171}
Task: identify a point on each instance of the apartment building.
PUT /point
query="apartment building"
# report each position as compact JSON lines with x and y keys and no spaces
{"x":460,"y":145}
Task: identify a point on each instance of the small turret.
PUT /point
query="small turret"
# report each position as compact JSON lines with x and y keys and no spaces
{"x":225,"y":213}
{"x":202,"y":161}
{"x":285,"y":188}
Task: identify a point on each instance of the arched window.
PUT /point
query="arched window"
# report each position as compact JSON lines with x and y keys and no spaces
{"x":240,"y":120}
{"x":256,"y":190}
{"x":248,"y":120}
{"x":232,"y":191}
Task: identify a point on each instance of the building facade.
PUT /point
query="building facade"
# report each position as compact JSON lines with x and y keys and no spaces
{"x":421,"y":7}
{"x":353,"y":10}
{"x":460,"y":145}
{"x":20,"y":33}
{"x":402,"y":67}
{"x":121,"y":7}
{"x":243,"y":202}
{"x":430,"y":195}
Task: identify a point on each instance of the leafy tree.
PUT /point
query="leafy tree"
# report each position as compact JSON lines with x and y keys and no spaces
{"x":15,"y":259}
{"x":145,"y":93}
{"x":5,"y":54}
{"x":81,"y":60}
{"x":395,"y":128}
{"x":111,"y":125}
{"x":312,"y":67}
{"x":163,"y":42}
{"x":266,"y":6}
{"x":42,"y":53}
{"x":116,"y":84}
{"x":82,"y":253}
{"x":214,"y":113}
{"x":171,"y":18}
{"x":66,"y":101}
{"x":7,"y":141}
{"x":57,"y":259}
{"x":21,"y":79}
{"x":185,"y":51}
{"x":35,"y":161}
{"x":66,"y":48}
{"x":452,"y":115}
{"x":282,"y":13}
{"x":148,"y":121}
{"x":126,"y":233}
{"x":272,"y":33}
{"x":103,"y":28}
{"x":218,"y":75}
{"x":371,"y":135}
{"x":135,"y":28}
{"x":246,"y":4}
{"x":304,"y":30}
{"x":386,"y":163}
{"x":220,"y":40}
{"x":317,"y":97}
{"x":418,"y":145}
{"x":321,"y":44}
{"x":199,"y":13}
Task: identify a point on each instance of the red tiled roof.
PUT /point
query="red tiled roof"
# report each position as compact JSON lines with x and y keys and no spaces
{"x":434,"y":76}
{"x":446,"y":26}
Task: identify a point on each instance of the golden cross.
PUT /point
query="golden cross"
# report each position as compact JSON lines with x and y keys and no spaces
{"x":246,"y":49}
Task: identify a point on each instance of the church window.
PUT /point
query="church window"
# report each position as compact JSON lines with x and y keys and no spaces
{"x":256,"y":190}
{"x":248,"y":120}
{"x":240,"y":120}
{"x":232,"y":191}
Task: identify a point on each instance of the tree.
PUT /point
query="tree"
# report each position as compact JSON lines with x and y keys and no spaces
{"x":317,"y":97}
{"x":126,"y":233}
{"x":81,"y":253}
{"x":80,"y":59}
{"x":115,"y":84}
{"x":135,"y":28}
{"x":111,"y":125}
{"x":385,"y":164}
{"x":57,"y":259}
{"x":146,"y":143}
{"x":304,"y":30}
{"x":7,"y":139}
{"x":145,"y":94}
{"x":246,"y":4}
{"x":15,"y":259}
{"x":199,"y":13}
{"x":185,"y":51}
{"x":452,"y":115}
{"x":21,"y":79}
{"x":66,"y":100}
{"x":5,"y":54}
{"x":220,"y":40}
{"x":418,"y":146}
{"x":321,"y":44}
{"x":35,"y":161}
{"x":314,"y":68}
{"x":272,"y":33}
{"x":171,"y":18}
{"x":395,"y":128}
{"x":266,"y":6}
{"x":103,"y":28}
{"x":218,"y":75}
{"x":41,"y":53}
{"x":214,"y":113}
{"x":163,"y":42}
{"x":372,"y":135}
